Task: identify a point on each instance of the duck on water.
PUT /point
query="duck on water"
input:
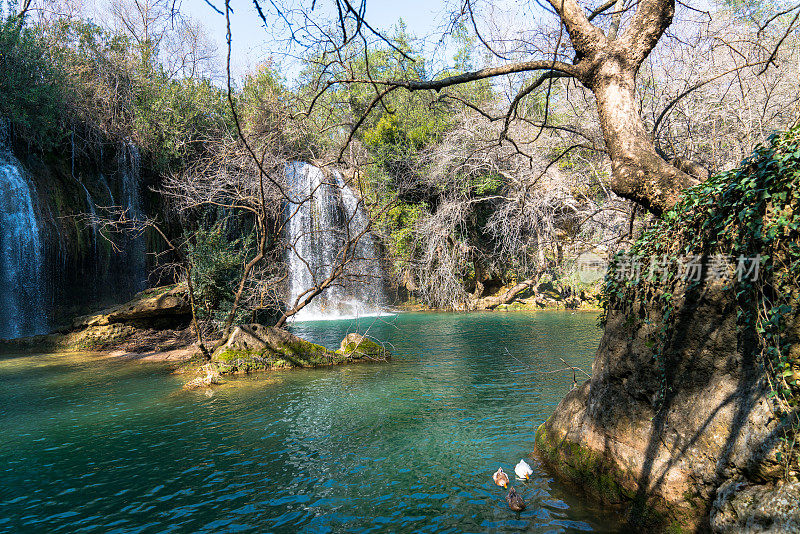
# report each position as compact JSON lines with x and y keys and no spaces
{"x":523,"y":471}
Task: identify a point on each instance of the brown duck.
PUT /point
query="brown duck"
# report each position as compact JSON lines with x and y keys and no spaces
{"x":514,"y":501}
{"x":500,"y":478}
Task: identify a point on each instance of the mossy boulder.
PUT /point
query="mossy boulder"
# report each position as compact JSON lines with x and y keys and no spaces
{"x":358,"y":346}
{"x":256,"y":347}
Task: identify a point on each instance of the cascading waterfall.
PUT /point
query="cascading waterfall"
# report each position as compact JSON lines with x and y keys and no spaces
{"x":129,"y":169}
{"x":104,"y":181}
{"x":130,"y":166}
{"x":321,"y":214}
{"x":21,"y":279}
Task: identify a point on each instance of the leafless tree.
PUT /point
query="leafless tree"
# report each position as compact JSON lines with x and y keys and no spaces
{"x":602,"y":47}
{"x":538,"y":214}
{"x":165,"y":35}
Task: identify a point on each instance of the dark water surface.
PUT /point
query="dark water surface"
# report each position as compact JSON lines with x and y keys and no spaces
{"x":92,"y":445}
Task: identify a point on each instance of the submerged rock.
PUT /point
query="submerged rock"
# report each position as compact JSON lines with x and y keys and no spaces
{"x":210,"y":376}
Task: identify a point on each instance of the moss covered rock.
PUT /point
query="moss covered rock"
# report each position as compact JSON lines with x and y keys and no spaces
{"x":256,"y":347}
{"x":357,"y":346}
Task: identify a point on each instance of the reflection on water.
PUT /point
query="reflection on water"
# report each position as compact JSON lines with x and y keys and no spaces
{"x":407,"y":446}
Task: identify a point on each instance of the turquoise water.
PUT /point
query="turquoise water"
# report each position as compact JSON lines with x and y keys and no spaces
{"x":93,"y":445}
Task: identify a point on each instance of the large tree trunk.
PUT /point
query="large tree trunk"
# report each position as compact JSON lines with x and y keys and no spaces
{"x":607,"y":65}
{"x":490,"y":303}
{"x":638,"y":172}
{"x":479,"y":287}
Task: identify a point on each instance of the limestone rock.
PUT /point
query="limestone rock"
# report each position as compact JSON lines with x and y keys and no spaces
{"x":360,"y":346}
{"x":162,"y":304}
{"x":663,"y":441}
{"x":154,"y":321}
{"x":740,"y":508}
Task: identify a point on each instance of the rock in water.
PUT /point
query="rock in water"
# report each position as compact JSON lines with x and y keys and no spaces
{"x":623,"y":434}
{"x":357,"y":345}
{"x":210,"y":376}
{"x":256,"y":347}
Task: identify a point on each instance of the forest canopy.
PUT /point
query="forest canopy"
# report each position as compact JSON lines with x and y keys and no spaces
{"x":533,"y":134}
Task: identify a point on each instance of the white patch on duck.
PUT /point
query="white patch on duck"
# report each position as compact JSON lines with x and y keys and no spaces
{"x":523,"y":470}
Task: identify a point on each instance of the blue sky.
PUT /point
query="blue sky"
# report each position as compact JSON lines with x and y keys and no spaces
{"x":252,"y":43}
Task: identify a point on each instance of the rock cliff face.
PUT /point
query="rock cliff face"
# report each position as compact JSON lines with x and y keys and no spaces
{"x":155,"y":320}
{"x":663,"y":436}
{"x":58,"y":255}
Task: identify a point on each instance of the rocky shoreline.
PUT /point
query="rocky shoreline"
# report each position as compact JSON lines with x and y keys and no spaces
{"x":156,"y":326}
{"x":527,"y":297}
{"x":695,"y":448}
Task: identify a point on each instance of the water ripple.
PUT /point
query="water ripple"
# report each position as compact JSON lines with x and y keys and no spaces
{"x":407,"y":446}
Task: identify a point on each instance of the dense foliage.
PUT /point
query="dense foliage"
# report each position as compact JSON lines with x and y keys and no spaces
{"x":68,"y":77}
{"x":216,"y":261}
{"x":31,"y":97}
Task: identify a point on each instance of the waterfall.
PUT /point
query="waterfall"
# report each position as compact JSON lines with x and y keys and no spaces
{"x":135,"y":248}
{"x":92,"y":212}
{"x":319,"y":217}
{"x":103,"y":181}
{"x":22,"y":292}
{"x":131,"y":191}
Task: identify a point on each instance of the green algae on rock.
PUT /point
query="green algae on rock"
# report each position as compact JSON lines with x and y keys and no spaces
{"x":358,"y":346}
{"x":255,"y":347}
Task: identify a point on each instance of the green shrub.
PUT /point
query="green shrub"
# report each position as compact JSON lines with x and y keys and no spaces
{"x":217,"y":263}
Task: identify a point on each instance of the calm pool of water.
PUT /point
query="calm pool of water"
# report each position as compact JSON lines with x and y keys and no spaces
{"x":410,"y":446}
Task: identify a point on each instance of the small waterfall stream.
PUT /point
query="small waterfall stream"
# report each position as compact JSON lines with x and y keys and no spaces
{"x":22,"y":292}
{"x":129,"y":164}
{"x":325,"y":208}
{"x":92,"y":213}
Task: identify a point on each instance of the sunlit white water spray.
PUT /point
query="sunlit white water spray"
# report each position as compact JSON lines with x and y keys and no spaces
{"x":22,"y":291}
{"x":318,"y":230}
